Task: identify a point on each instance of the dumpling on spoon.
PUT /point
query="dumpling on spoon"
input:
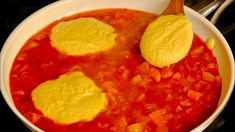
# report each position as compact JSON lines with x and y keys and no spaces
{"x":167,"y":40}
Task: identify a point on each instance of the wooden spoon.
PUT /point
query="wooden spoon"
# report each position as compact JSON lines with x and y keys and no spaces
{"x":175,"y":7}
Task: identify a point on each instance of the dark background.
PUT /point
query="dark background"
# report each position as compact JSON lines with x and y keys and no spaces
{"x":12,"y":12}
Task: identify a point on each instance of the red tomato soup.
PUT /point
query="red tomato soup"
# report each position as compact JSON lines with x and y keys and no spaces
{"x":140,"y":96}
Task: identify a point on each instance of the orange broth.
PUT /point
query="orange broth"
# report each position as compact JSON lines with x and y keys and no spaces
{"x":174,"y":98}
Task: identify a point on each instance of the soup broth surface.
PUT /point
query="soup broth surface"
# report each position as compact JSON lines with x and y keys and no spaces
{"x":140,"y":96}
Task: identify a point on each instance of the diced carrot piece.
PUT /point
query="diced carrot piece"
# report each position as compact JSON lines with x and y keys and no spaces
{"x":169,"y":98}
{"x":144,"y":67}
{"x":156,"y":74}
{"x":103,"y":125}
{"x":145,"y":81}
{"x":189,"y":110}
{"x":217,"y":78}
{"x":162,"y":128}
{"x":185,"y":103}
{"x":197,"y":51}
{"x":168,"y":116}
{"x":118,"y":15}
{"x":190,"y":79}
{"x":125,"y":74}
{"x":19,"y":92}
{"x":177,"y":75}
{"x":21,"y":56}
{"x":125,"y":54}
{"x":166,"y":72}
{"x":160,"y":120}
{"x":112,"y":100}
{"x":121,"y":68}
{"x":157,"y":113}
{"x":136,"y":127}
{"x":107,"y":84}
{"x":159,"y":117}
{"x":194,"y":94}
{"x":121,"y":122}
{"x":179,"y":126}
{"x":168,"y":91}
{"x":33,"y":117}
{"x":178,"y":108}
{"x":197,"y":86}
{"x":26,"y":66}
{"x":122,"y":38}
{"x":150,"y":107}
{"x":143,"y":119}
{"x":33,"y":44}
{"x":113,"y":91}
{"x":136,"y":79}
{"x":141,"y":97}
{"x":186,"y":88}
{"x":211,"y":65}
{"x":164,"y":84}
{"x":207,"y":57}
{"x":207,"y":76}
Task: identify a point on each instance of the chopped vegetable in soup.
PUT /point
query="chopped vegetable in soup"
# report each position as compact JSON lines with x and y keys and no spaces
{"x":140,"y":97}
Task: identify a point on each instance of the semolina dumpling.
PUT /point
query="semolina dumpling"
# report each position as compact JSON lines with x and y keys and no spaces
{"x":71,"y":98}
{"x":82,"y":36}
{"x":167,"y":40}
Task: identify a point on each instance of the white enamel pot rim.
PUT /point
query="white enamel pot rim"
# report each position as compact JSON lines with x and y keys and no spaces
{"x":59,"y":9}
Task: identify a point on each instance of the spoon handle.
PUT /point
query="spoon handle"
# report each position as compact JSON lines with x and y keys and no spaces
{"x":175,"y":7}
